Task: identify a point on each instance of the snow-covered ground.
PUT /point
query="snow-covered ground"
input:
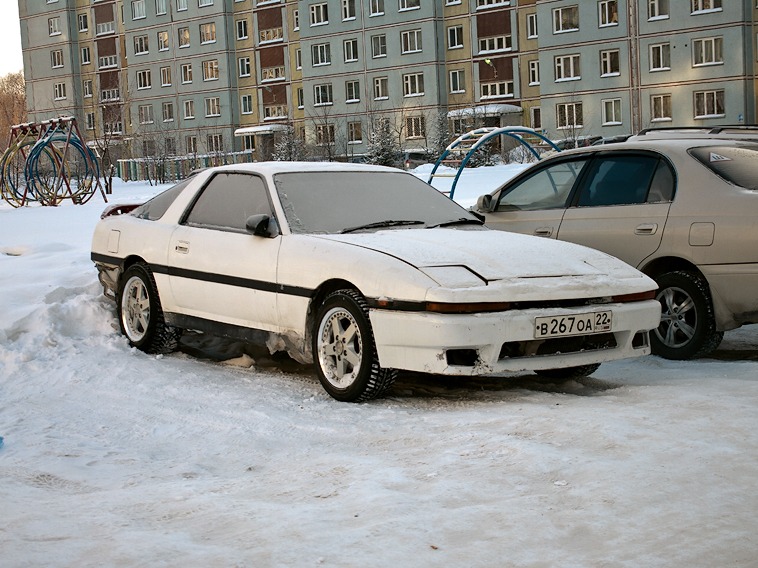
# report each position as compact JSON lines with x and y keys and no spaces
{"x":115,"y":458}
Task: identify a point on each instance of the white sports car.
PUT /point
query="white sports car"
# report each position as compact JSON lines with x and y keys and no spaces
{"x":364,"y":270}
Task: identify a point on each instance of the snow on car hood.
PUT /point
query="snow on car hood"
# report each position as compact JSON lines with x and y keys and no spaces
{"x":493,"y":255}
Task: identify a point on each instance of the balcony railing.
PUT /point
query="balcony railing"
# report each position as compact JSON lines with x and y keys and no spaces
{"x":105,"y":28}
{"x":107,"y":62}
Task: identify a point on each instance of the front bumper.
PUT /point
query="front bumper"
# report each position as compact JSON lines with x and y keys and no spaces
{"x":486,"y":343}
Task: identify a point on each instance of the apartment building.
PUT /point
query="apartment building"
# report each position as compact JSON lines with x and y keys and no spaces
{"x":176,"y":77}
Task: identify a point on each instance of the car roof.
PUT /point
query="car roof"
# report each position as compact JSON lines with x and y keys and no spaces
{"x":659,"y":144}
{"x":272,"y":168}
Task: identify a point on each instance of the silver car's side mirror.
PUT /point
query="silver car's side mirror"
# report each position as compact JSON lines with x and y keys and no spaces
{"x":484,"y":203}
{"x":262,"y":225}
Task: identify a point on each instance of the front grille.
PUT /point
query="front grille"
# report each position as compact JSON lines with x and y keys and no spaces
{"x":539,"y":347}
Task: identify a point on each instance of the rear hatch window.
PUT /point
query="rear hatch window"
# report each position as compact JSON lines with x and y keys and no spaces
{"x":736,"y":164}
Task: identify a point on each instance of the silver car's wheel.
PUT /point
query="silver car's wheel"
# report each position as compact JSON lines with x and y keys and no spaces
{"x":344,"y":349}
{"x":140,"y":314}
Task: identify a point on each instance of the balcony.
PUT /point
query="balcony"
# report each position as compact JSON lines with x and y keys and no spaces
{"x":107,"y":62}
{"x":105,"y":28}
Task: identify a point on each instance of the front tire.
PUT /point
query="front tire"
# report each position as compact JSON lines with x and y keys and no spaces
{"x":140,"y":314}
{"x":344,"y":350}
{"x":568,"y":373}
{"x":688,"y":324}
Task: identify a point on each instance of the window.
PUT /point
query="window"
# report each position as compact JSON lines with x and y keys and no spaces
{"x":608,"y":13}
{"x":56,"y":58}
{"x":324,"y":134}
{"x":709,"y":104}
{"x":246,"y":104}
{"x":535,"y":118}
{"x":298,"y":59}
{"x":270,"y":34}
{"x":144,"y":79}
{"x":109,"y":95}
{"x":248,"y":143}
{"x":145,"y":114}
{"x":485,"y":3}
{"x":496,"y":89}
{"x":568,"y":115}
{"x":410,"y":41}
{"x":322,"y":94}
{"x":455,"y":37}
{"x":409,"y":4}
{"x":567,"y":68}
{"x":660,"y":108}
{"x":83,"y":22}
{"x":86,"y":56}
{"x":210,"y":70}
{"x":168,"y":112}
{"x":243,"y":63}
{"x":708,"y":51}
{"x":457,"y":81}
{"x":184,"y":37}
{"x":352,"y":91}
{"x":531,"y":26}
{"x":54,"y":26}
{"x":295,"y":20}
{"x":186,"y":73}
{"x":160,"y":7}
{"x":87,"y":88}
{"x":212,"y":106}
{"x":107,"y":61}
{"x":216,"y":144}
{"x":59,"y":91}
{"x":165,"y":76}
{"x":300,"y":98}
{"x":189,"y":109}
{"x":549,"y":186}
{"x":148,"y":147}
{"x":272,"y":73}
{"x":497,"y":43}
{"x":354,"y":133}
{"x":321,"y":54}
{"x":90,"y":121}
{"x":415,"y":127}
{"x":660,"y":58}
{"x":534,"y":72}
{"x":190,"y":143}
{"x":379,"y":46}
{"x":140,"y":45}
{"x":319,"y":14}
{"x":351,"y":50}
{"x":413,"y":84}
{"x":381,"y":90}
{"x":348,"y":9}
{"x":376,"y":8}
{"x":565,"y":19}
{"x":203,"y":3}
{"x":625,"y":180}
{"x":242,"y":29}
{"x":170,"y":146}
{"x":181,"y":5}
{"x":208,"y":33}
{"x":657,"y":9}
{"x":611,"y":112}
{"x":138,"y":9}
{"x":163,"y":44}
{"x":705,"y":6}
{"x":610,"y":63}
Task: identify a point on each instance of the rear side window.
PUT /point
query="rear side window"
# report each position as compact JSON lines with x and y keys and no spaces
{"x":228,"y":200}
{"x":549,"y":188}
{"x":157,"y":206}
{"x":626,"y":180}
{"x":736,"y":164}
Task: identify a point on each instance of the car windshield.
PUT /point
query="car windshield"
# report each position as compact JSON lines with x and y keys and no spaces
{"x":337,"y":202}
{"x":736,"y":164}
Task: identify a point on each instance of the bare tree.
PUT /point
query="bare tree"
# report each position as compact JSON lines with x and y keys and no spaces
{"x":12,"y":104}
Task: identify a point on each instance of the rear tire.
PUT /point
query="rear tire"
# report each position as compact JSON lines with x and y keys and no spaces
{"x":568,"y":373}
{"x":688,"y":324}
{"x":344,"y":350}
{"x":140,"y":314}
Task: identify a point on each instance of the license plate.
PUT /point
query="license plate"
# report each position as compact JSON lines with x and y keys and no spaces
{"x":575,"y":324}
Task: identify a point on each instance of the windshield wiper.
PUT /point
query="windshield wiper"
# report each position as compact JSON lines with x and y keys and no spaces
{"x":381,"y":224}
{"x":459,"y":221}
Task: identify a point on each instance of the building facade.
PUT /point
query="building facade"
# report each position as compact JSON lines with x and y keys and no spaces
{"x":178,"y":77}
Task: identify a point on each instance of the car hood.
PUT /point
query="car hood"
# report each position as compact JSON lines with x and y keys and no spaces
{"x":501,"y":256}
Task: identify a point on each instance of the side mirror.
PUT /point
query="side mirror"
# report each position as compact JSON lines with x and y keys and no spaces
{"x":262,"y":225}
{"x":484,"y":203}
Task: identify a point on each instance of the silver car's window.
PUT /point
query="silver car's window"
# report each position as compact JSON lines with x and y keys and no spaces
{"x":548,"y":188}
{"x":333,"y":201}
{"x":158,"y":205}
{"x":736,"y":164}
{"x":228,"y":200}
{"x":618,"y":180}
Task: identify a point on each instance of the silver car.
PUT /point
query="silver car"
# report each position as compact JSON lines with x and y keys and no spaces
{"x":679,"y":205}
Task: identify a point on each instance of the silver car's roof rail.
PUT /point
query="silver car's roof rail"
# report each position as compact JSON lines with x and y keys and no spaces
{"x":702,"y":129}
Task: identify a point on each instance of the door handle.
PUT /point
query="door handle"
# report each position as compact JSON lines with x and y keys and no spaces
{"x":646,"y":229}
{"x":182,"y":247}
{"x":543,"y":231}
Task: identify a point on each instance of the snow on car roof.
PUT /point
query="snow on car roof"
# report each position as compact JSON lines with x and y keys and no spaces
{"x":271,"y":168}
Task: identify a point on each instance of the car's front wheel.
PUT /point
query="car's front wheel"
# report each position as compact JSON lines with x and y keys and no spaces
{"x":688,"y":325}
{"x":140,"y":314}
{"x":344,"y":350}
{"x":568,"y":373}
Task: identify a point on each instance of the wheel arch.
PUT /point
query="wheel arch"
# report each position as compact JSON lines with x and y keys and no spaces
{"x":669,"y":264}
{"x":317,"y":298}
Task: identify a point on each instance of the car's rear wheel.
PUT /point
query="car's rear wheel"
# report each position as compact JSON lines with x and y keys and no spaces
{"x":345,"y":352}
{"x":688,"y":325}
{"x":140,"y":314}
{"x":568,"y":373}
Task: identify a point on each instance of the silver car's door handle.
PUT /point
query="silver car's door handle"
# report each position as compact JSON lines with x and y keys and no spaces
{"x":543,"y":231}
{"x":646,"y":229}
{"x":182,"y":247}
